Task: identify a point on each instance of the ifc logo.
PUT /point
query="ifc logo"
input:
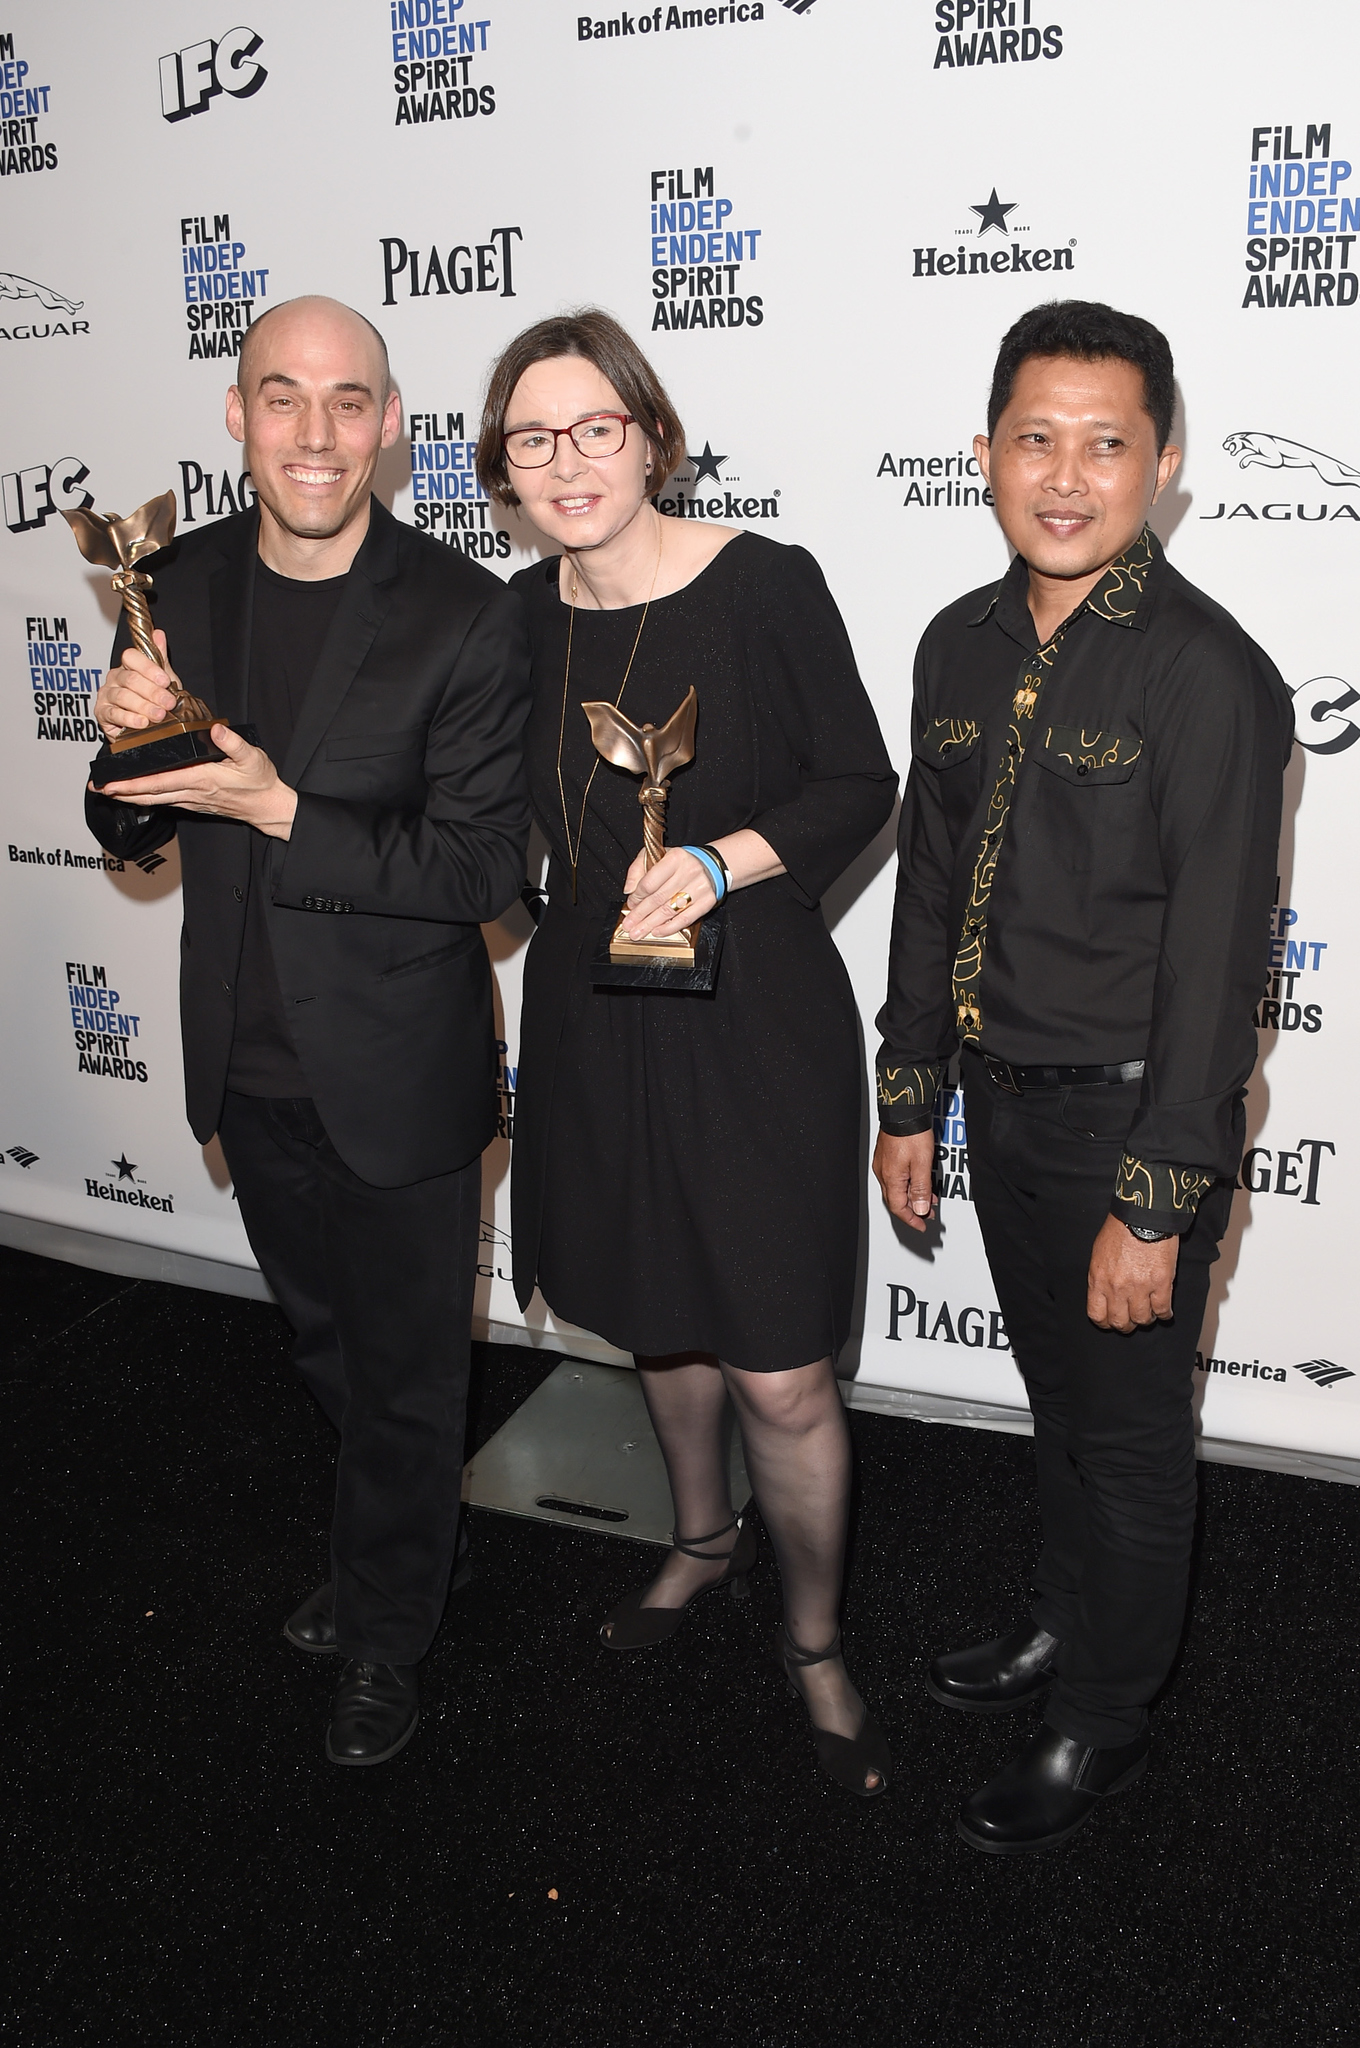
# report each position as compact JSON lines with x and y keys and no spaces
{"x":193,"y":76}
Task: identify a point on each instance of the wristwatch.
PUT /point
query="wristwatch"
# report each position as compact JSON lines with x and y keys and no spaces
{"x":1147,"y":1236}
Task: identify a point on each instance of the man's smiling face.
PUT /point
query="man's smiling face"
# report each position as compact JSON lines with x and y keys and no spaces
{"x":1073,"y":463}
{"x":314,"y":413}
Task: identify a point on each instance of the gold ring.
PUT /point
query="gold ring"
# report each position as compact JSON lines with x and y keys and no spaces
{"x":681,"y":902}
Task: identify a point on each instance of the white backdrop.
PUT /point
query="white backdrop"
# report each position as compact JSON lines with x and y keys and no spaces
{"x":819,"y":216}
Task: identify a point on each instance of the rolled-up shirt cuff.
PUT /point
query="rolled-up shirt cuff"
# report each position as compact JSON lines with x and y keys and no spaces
{"x":1157,"y":1195}
{"x":906,"y":1095}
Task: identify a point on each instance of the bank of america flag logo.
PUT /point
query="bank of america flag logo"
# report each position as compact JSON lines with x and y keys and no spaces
{"x":1323,"y":1373}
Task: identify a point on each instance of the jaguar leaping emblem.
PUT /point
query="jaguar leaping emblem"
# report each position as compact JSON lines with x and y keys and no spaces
{"x":14,"y":287}
{"x":1268,"y":451}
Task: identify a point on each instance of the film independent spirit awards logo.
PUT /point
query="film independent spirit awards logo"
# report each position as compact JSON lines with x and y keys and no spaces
{"x":107,"y":1036}
{"x":23,"y":109}
{"x":222,"y":286}
{"x":701,"y":254}
{"x":62,"y":687}
{"x":981,"y":32}
{"x":436,"y":67}
{"x":447,"y":501}
{"x":1302,"y":221}
{"x":1291,"y":997}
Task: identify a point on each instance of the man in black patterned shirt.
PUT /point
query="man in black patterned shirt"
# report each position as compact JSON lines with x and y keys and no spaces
{"x":1087,"y":855}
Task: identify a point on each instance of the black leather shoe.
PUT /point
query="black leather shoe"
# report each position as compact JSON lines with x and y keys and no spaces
{"x":312,"y":1627}
{"x":375,"y":1713}
{"x":1047,"y":1792}
{"x":991,"y":1678}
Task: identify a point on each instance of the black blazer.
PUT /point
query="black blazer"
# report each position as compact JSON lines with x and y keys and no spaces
{"x":410,"y":830}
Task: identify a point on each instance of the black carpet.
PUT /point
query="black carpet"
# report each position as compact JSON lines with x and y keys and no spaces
{"x":183,"y":1866}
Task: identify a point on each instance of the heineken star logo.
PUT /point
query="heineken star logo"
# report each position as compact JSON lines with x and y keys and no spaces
{"x":707,"y":464}
{"x":992,"y":214}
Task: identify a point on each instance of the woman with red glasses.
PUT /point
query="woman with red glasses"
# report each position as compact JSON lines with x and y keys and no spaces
{"x":687,"y":1177}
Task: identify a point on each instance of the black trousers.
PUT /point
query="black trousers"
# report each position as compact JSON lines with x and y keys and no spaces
{"x":377,"y":1284}
{"x":1113,"y":1425}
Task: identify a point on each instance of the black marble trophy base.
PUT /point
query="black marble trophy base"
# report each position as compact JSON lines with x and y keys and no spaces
{"x":160,"y":757}
{"x":663,"y":975}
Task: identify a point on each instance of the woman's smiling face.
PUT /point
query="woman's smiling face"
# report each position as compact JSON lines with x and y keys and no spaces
{"x":577,"y":500}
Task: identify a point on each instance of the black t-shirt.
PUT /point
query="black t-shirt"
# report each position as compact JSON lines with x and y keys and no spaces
{"x":288,"y":629}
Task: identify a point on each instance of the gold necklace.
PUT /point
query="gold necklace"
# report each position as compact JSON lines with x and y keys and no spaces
{"x":574,"y":852}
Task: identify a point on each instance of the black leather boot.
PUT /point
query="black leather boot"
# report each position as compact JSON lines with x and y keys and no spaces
{"x":1047,"y":1792}
{"x":991,"y":1678}
{"x":375,"y":1713}
{"x":312,"y":1627}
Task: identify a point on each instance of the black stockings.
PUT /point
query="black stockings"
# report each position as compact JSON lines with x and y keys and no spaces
{"x":797,"y":1448}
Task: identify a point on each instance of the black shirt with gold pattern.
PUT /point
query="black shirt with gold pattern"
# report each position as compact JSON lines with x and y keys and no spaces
{"x":1087,"y":861}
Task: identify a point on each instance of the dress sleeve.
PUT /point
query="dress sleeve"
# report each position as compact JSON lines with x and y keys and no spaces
{"x":917,"y":1019}
{"x":822,"y":708}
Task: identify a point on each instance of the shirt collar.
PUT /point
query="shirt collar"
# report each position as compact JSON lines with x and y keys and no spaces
{"x":1119,"y":596}
{"x":1120,"y":593}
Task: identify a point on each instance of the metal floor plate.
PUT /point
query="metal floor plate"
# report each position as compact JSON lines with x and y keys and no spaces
{"x":581,"y":1452}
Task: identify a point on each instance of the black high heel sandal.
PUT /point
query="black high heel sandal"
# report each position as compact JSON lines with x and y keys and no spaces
{"x":847,"y":1760}
{"x":631,"y":1626}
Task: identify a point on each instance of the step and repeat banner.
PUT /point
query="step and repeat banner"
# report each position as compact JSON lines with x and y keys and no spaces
{"x":819,"y":216}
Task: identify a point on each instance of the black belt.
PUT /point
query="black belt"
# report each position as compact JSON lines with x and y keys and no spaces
{"x":1015,"y":1080}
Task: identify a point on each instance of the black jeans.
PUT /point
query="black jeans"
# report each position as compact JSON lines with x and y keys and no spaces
{"x":377,"y":1284}
{"x":1113,"y":1426}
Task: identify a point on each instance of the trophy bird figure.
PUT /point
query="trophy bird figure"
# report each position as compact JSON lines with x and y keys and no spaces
{"x":120,"y":544}
{"x":653,"y":752}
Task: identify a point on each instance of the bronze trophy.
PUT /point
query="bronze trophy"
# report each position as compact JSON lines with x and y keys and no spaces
{"x":686,"y":959}
{"x":120,"y":544}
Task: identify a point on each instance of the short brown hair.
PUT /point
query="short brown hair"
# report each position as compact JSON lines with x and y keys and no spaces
{"x":600,"y":339}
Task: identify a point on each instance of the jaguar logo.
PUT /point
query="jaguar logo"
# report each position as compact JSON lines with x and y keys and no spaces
{"x":13,"y":286}
{"x":1268,"y":451}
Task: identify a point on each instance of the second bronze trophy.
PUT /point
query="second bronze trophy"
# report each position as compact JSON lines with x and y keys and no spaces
{"x":687,"y":959}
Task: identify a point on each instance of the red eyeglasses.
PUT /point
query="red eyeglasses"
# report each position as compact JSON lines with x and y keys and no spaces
{"x":602,"y":433}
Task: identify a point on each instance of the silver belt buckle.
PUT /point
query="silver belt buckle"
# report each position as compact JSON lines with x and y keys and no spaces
{"x":1002,"y":1074}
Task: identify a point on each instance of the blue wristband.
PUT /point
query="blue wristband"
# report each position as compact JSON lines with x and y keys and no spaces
{"x":710,"y":868}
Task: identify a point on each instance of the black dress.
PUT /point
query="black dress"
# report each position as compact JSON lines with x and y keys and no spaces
{"x":687,"y":1167}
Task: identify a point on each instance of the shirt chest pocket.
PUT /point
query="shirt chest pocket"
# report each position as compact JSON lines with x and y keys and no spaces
{"x":947,"y":742}
{"x":1087,"y":759}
